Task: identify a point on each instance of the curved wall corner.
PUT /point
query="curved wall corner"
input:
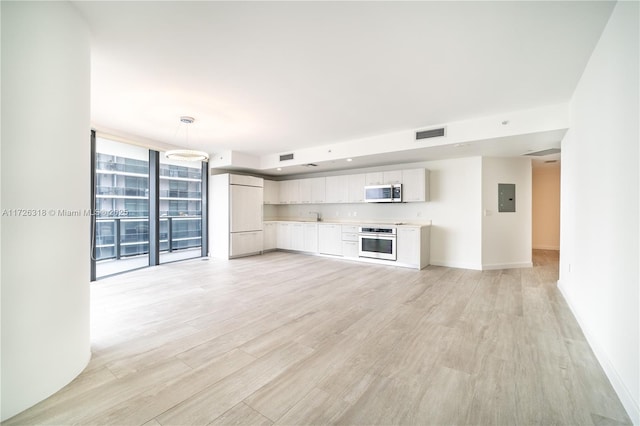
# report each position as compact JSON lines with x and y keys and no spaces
{"x":45,"y":167}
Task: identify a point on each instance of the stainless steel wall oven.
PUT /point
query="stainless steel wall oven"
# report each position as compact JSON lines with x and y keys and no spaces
{"x":377,"y":242}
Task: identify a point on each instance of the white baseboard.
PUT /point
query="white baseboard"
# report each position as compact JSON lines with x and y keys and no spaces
{"x":492,"y":266}
{"x":459,"y":265}
{"x":629,"y":404}
{"x":545,"y":247}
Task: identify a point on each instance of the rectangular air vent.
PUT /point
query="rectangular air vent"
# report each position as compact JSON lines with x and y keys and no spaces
{"x":285,"y":157}
{"x":544,"y":152}
{"x":432,"y":133}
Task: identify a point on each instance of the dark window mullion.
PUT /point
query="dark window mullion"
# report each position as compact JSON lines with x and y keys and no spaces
{"x":154,"y":208}
{"x":204,"y":210}
{"x":93,"y":234}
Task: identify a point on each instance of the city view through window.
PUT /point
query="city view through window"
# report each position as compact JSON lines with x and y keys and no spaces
{"x":122,"y":176}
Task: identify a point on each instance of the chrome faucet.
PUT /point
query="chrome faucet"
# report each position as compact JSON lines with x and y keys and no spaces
{"x":318,"y":218}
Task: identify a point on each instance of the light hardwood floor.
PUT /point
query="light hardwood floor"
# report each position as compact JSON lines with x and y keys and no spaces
{"x":290,"y":339}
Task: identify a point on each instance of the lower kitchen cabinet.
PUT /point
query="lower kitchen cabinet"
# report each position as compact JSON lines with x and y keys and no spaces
{"x":243,"y":243}
{"x":350,"y":244}
{"x":269,"y":235}
{"x":330,"y":239}
{"x":413,"y":246}
{"x":412,"y":242}
{"x":297,"y":236}
{"x":283,"y":237}
{"x":310,"y":232}
{"x":350,"y":249}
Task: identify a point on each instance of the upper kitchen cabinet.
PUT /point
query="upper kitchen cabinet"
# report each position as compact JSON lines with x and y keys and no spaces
{"x":337,"y":189}
{"x":318,"y":190}
{"x":346,"y":188}
{"x":355,"y":190}
{"x":312,"y":191}
{"x":392,"y":177}
{"x":290,"y":192}
{"x":374,"y":178}
{"x":271,"y":192}
{"x":384,"y":178}
{"x":304,"y":191}
{"x":415,"y":185}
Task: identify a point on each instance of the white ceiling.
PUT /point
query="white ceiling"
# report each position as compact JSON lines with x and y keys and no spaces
{"x":271,"y":77}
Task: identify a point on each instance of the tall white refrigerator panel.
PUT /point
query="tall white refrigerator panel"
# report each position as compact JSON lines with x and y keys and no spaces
{"x":246,"y":208}
{"x":235,"y":215}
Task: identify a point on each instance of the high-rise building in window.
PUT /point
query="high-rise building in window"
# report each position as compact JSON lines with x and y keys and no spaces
{"x":122,"y":207}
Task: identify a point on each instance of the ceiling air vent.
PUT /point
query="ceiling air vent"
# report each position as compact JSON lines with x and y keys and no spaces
{"x":285,"y":157}
{"x":432,"y":133}
{"x":544,"y":152}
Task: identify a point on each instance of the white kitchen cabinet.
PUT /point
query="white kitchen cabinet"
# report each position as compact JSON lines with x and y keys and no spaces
{"x":392,"y":177}
{"x":246,"y":214}
{"x":346,"y":188}
{"x":355,"y":187}
{"x":304,"y":191}
{"x":246,"y":180}
{"x":413,"y":244}
{"x":350,"y":229}
{"x":311,"y":191}
{"x":269,"y":231}
{"x":374,"y":178}
{"x":310,"y":231}
{"x":384,"y":178}
{"x":350,"y":249}
{"x":297,"y":236}
{"x":350,"y":240}
{"x":271,"y":192}
{"x":318,"y":190}
{"x":283,"y":236}
{"x":330,"y":239}
{"x":336,"y":189}
{"x":235,"y":218}
{"x":415,"y":185}
{"x":290,"y":191}
{"x":244,"y":243}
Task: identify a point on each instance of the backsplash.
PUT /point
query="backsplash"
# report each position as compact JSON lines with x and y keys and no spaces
{"x":384,"y":212}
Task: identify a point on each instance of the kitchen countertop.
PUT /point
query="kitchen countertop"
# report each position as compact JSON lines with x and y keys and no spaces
{"x":351,"y":222}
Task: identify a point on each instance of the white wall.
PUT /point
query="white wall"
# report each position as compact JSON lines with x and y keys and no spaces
{"x":599,"y":215}
{"x":453,"y":209}
{"x":506,"y":237}
{"x":546,"y":207}
{"x":456,"y":201}
{"x":45,"y":166}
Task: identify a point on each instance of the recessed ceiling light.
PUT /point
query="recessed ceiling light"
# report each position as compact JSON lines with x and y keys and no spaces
{"x":279,"y":169}
{"x":349,"y":159}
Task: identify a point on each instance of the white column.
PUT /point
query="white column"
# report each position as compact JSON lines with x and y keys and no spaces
{"x":45,"y":170}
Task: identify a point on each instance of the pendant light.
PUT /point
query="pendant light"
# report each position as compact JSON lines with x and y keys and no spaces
{"x":186,"y":154}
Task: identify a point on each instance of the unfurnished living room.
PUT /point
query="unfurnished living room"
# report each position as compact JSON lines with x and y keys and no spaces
{"x":307,"y":213}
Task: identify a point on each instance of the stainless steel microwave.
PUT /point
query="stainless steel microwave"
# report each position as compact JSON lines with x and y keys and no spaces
{"x":383,"y":193}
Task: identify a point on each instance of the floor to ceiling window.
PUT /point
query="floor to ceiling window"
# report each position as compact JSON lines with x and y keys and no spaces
{"x":127,"y":206}
{"x":121,"y":207}
{"x":180,"y":209}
